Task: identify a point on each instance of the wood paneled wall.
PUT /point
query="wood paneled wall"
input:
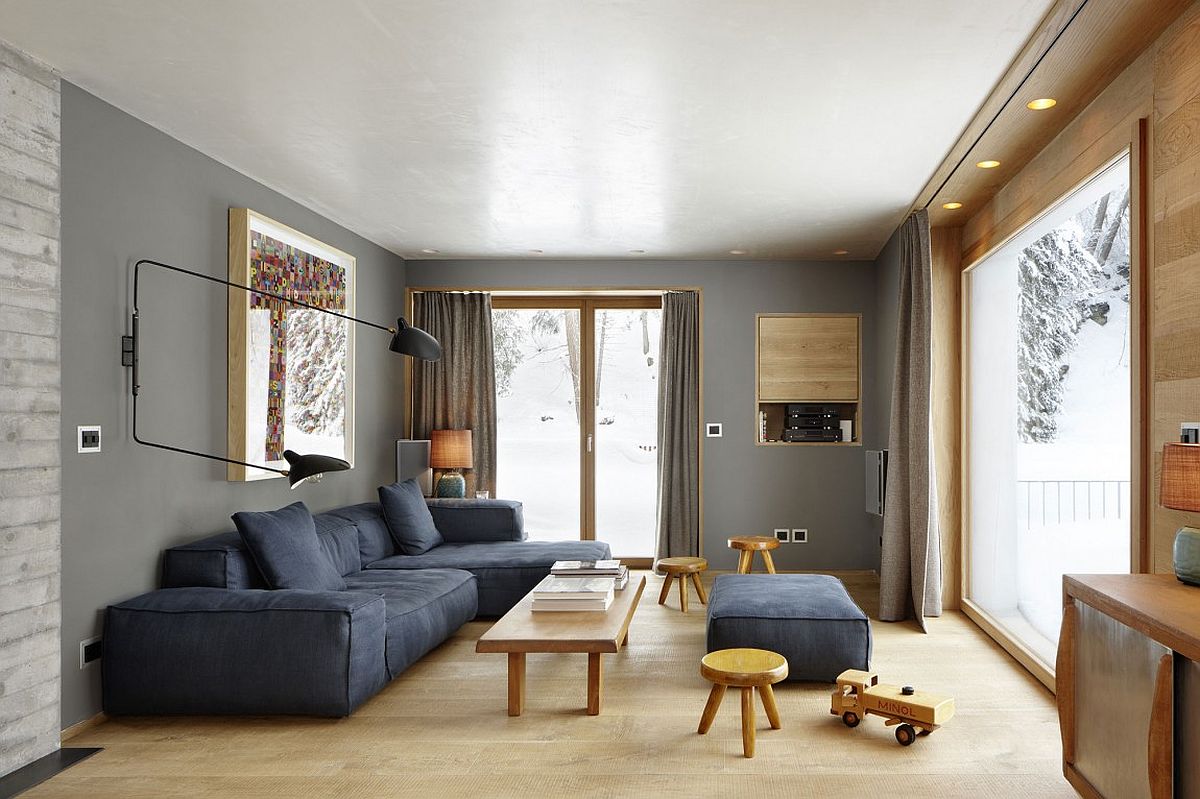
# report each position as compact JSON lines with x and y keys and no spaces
{"x":1175,"y":256}
{"x":1162,"y":86}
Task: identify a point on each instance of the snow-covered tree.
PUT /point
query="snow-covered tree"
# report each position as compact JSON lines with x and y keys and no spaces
{"x":1067,"y":277}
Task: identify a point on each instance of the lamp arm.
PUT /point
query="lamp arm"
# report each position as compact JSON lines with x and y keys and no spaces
{"x":169,"y":448}
{"x":137,"y":274}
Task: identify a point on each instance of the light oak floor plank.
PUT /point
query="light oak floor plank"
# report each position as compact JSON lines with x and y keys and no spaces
{"x":442,"y":730}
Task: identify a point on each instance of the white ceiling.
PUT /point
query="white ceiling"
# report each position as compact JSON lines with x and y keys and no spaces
{"x":582,"y":128}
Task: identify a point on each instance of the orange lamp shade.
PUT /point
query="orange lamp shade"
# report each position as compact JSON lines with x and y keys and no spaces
{"x":1181,"y":477}
{"x":450,"y":449}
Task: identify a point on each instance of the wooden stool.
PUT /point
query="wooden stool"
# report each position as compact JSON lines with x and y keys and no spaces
{"x":747,"y":545}
{"x":683,"y":568}
{"x":746,"y":669}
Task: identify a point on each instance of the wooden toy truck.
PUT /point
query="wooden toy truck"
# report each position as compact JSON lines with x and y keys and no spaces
{"x":912,"y":712}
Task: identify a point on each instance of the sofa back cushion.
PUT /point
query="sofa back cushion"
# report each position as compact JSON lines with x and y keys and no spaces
{"x":374,"y":540}
{"x":286,"y":549}
{"x":408,"y":518}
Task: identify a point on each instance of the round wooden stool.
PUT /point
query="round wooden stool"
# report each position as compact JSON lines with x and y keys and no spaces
{"x":746,"y":669}
{"x":747,"y":545}
{"x":683,"y":568}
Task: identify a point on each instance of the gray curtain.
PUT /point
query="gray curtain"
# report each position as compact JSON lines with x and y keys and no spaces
{"x":910,"y":575}
{"x":679,"y":426}
{"x":459,"y":391}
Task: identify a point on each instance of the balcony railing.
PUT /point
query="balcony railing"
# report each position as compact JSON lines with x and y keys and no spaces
{"x":1048,"y":502}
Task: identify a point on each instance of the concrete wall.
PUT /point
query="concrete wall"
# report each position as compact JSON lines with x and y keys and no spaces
{"x":129,"y":192}
{"x":30,"y":476}
{"x":747,"y":489}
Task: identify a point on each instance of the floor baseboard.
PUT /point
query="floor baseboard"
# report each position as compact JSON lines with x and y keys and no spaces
{"x":82,"y":726}
{"x":41,"y":770}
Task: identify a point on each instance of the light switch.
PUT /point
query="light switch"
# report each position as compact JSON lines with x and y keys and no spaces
{"x":88,"y":438}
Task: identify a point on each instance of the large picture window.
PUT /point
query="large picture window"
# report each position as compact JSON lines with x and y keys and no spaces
{"x":1048,"y":348}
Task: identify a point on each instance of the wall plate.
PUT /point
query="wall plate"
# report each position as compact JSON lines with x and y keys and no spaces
{"x":781,"y":534}
{"x":90,"y":650}
{"x":1189,"y":432}
{"x":712,"y":429}
{"x":87,"y":438}
{"x":800,"y":535}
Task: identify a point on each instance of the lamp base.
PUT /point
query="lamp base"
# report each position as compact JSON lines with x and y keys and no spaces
{"x":451,"y":485}
{"x":1187,"y":555}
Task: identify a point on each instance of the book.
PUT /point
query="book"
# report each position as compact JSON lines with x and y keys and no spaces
{"x":580,"y":568}
{"x":560,"y":588}
{"x":619,"y":583}
{"x":552,"y":605}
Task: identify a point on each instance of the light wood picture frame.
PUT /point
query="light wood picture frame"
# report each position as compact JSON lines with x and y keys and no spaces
{"x":290,"y":369}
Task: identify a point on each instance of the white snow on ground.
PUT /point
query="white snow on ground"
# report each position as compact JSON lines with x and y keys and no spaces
{"x":538,"y":437}
{"x":1092,"y":445}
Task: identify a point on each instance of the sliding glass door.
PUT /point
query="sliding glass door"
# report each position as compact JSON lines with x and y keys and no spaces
{"x":577,"y":416}
{"x":1048,"y":387}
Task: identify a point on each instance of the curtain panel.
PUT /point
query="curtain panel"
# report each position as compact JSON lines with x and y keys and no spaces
{"x":679,"y":426}
{"x":459,"y":391}
{"x":910,"y":575}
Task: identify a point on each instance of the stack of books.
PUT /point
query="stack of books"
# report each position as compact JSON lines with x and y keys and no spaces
{"x":573,"y":593}
{"x":593,"y":568}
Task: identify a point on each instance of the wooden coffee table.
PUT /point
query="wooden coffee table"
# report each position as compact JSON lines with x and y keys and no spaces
{"x":521,"y":631}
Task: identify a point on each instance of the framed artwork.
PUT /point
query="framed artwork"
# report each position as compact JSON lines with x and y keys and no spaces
{"x":291,"y":369}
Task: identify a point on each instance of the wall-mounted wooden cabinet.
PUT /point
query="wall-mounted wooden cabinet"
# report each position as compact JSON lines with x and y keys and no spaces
{"x":807,"y":358}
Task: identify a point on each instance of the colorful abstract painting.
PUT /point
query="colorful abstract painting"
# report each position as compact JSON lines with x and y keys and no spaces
{"x":291,"y":364}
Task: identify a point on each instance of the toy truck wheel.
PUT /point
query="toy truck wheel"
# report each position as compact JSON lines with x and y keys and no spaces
{"x":850,"y":718}
{"x":905,"y":734}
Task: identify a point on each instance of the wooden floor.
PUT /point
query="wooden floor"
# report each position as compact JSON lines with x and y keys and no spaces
{"x":441,"y":730}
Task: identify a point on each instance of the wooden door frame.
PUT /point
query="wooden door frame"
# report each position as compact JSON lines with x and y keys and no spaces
{"x":587,"y":301}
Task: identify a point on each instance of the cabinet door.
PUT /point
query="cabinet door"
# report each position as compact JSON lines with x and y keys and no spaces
{"x":808,"y":358}
{"x":1116,"y":671}
{"x":1187,"y":728}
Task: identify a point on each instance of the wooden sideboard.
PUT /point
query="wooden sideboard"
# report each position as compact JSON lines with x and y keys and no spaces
{"x":1128,"y":686}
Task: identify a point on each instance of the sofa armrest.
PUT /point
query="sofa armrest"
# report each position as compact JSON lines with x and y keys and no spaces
{"x":468,"y":521}
{"x":220,"y":651}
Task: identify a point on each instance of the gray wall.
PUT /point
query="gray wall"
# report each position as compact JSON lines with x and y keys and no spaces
{"x":747,"y":489}
{"x":129,"y":192}
{"x":30,"y":477}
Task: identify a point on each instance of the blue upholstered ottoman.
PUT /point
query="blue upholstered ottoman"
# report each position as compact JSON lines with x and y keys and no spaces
{"x":807,"y":618}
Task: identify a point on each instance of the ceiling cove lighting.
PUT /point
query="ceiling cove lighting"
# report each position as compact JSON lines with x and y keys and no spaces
{"x":1041,"y":104}
{"x":737,"y":252}
{"x":987,"y":164}
{"x":952,"y":206}
{"x":430,"y":251}
{"x":536,"y":252}
{"x":841,"y":252}
{"x":637,"y":252}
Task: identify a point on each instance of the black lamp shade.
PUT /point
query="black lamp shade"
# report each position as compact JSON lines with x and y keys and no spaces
{"x":303,"y":467}
{"x":409,"y":340}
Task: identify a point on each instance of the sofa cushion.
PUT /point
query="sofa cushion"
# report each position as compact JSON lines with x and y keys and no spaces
{"x":507,"y":570}
{"x":424,"y":608}
{"x":286,"y":549}
{"x":465,"y":521}
{"x":408,"y":518}
{"x":374,"y":538}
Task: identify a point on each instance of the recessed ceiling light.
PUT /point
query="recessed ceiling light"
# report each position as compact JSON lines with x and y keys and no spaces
{"x":952,"y":206}
{"x":737,"y":252}
{"x":841,"y":252}
{"x":430,"y":251}
{"x":987,"y":164}
{"x":536,"y":252}
{"x":637,"y":252}
{"x":1041,"y":104}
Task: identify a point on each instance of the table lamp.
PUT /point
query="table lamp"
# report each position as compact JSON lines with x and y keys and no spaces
{"x":1180,"y":490}
{"x":450,"y":450}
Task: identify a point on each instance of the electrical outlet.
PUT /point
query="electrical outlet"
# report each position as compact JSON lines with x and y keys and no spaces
{"x":1189,"y":432}
{"x":88,"y":437}
{"x":800,"y":535}
{"x":713,"y":429}
{"x":89,"y":651}
{"x":781,"y":534}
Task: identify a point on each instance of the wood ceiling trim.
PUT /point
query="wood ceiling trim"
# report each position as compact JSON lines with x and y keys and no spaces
{"x":1103,"y":38}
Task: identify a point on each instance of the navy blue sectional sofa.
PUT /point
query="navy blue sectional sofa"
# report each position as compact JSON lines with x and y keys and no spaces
{"x":216,"y":640}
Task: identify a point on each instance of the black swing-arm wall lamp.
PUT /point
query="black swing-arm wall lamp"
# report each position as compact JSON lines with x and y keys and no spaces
{"x":406,"y":340}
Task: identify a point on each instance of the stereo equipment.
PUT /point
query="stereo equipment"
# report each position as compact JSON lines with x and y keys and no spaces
{"x":802,"y":434}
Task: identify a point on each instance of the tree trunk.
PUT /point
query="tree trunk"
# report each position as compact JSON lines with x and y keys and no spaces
{"x":1110,"y":235}
{"x":600,"y":351}
{"x":572,"y":330}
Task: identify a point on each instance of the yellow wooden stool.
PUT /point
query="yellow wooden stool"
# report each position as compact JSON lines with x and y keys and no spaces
{"x":747,"y":545}
{"x":746,"y":669}
{"x":683,"y":568}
